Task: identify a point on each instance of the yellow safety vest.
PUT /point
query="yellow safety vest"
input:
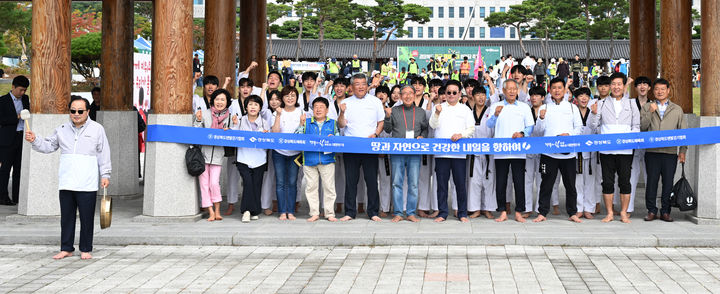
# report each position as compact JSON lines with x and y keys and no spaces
{"x":356,"y":63}
{"x":413,"y":68}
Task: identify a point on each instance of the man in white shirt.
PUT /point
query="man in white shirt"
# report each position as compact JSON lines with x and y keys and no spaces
{"x":512,"y":119}
{"x":210,"y":84}
{"x":452,"y":120}
{"x":616,"y":114}
{"x":559,"y":118}
{"x":362,"y":115}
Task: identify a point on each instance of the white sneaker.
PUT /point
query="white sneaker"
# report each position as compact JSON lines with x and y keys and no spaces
{"x":246,"y":217}
{"x":254,"y":217}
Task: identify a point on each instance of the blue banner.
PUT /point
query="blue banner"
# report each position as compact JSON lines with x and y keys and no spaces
{"x":559,"y":144}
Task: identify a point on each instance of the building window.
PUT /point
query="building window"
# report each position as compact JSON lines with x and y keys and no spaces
{"x":451,"y":32}
{"x":441,"y":12}
{"x":451,"y":12}
{"x":441,"y":32}
{"x":471,"y":11}
{"x":289,"y":13}
{"x":482,"y":12}
{"x":432,"y":9}
{"x":461,"y":30}
{"x":420,"y":32}
{"x":472,"y":32}
{"x":492,"y":9}
{"x":461,"y":12}
{"x":430,"y":32}
{"x":410,"y":32}
{"x":502,"y":9}
{"x":198,"y":2}
{"x":482,"y":33}
{"x":512,"y":32}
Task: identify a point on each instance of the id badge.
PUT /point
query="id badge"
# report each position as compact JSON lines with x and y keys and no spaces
{"x":410,"y":134}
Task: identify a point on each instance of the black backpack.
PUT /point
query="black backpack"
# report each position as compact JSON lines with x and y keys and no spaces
{"x":195,"y":161}
{"x":682,"y":195}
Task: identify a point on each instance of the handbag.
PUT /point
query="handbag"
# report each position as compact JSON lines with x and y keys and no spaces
{"x":194,"y":160}
{"x":682,"y":195}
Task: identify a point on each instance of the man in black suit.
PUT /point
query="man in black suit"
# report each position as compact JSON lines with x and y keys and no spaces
{"x":11,"y":136}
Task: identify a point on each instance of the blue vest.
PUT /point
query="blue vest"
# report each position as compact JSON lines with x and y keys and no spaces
{"x":313,"y":158}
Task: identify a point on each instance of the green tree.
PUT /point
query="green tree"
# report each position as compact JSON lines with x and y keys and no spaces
{"x":85,"y":52}
{"x":518,"y":17}
{"x":545,"y":23}
{"x":275,"y":12}
{"x":3,"y":48}
{"x":326,"y":12}
{"x":573,"y":29}
{"x":388,"y":17}
{"x":609,"y":21}
{"x":16,"y":25}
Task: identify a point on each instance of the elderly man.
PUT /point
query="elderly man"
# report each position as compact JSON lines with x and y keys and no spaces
{"x":361,"y":115}
{"x":405,"y":121}
{"x":85,"y":156}
{"x":512,"y":119}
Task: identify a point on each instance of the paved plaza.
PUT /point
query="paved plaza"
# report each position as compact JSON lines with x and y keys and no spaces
{"x":362,"y":269}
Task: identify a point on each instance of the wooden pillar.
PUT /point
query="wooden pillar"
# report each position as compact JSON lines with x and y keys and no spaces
{"x":116,"y":66}
{"x":710,"y":59}
{"x":643,"y":42}
{"x":676,"y":44}
{"x":50,"y":63}
{"x":252,"y":38}
{"x":220,"y":40}
{"x":172,"y":78}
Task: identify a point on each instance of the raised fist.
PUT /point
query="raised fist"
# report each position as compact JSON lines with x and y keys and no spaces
{"x":438,"y":108}
{"x":594,"y":108}
{"x":343,"y":107}
{"x":542,"y":113}
{"x":388,"y":112}
{"x":29,"y":136}
{"x":498,"y":110}
{"x":302,"y":119}
{"x":198,"y":115}
{"x":235,"y":119}
{"x":653,"y":107}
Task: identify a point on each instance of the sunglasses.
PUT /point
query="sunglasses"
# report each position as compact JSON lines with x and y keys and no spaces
{"x":79,"y":111}
{"x":451,"y":93}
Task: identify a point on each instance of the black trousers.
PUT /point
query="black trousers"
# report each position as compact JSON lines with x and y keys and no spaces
{"x":252,"y":185}
{"x":656,"y":165}
{"x":11,"y":157}
{"x":443,"y":167}
{"x":84,"y":204}
{"x":576,"y":80}
{"x":619,"y":164}
{"x":369,"y":164}
{"x":502,"y":167}
{"x":548,"y":173}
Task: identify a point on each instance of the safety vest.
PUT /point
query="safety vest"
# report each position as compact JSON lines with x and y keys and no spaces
{"x":392,"y":79}
{"x":465,"y":68}
{"x":333,"y":68}
{"x":384,"y":70}
{"x":455,"y":77}
{"x":445,"y":68}
{"x":436,"y":66}
{"x":413,"y":68}
{"x":356,"y":64}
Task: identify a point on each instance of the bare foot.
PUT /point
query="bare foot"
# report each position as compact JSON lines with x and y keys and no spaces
{"x":218,"y":217}
{"x":412,"y":218}
{"x":291,"y":216}
{"x":62,"y":255}
{"x":539,"y":218}
{"x":376,"y":219}
{"x":397,"y":218}
{"x":488,"y":214}
{"x":85,"y":255}
{"x":556,"y":209}
{"x":268,"y":212}
{"x":332,"y":219}
{"x":275,"y":206}
{"x":439,"y":219}
{"x":608,"y":218}
{"x":624,"y":217}
{"x":282,"y":216}
{"x":465,"y":219}
{"x":345,"y":218}
{"x":588,"y":215}
{"x":422,"y":213}
{"x":579,"y":214}
{"x":474,"y":214}
{"x":526,"y":214}
{"x":575,"y":218}
{"x":502,"y":217}
{"x":383,"y":214}
{"x":313,"y":218}
{"x":212,"y":216}
{"x":519,"y":218}
{"x":230,"y":209}
{"x":434,"y":214}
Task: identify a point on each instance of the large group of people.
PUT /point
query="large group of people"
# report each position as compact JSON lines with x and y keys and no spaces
{"x":519,"y":103}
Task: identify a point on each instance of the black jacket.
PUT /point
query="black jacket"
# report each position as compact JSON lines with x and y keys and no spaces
{"x":9,"y":117}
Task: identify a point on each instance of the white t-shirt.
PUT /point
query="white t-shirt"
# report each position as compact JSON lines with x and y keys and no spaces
{"x":513,"y":118}
{"x":362,"y":115}
{"x":561,"y":118}
{"x":453,"y":119}
{"x":289,"y":122}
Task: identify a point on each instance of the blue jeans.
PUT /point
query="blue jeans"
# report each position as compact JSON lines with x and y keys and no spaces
{"x":401,"y":164}
{"x":286,"y":172}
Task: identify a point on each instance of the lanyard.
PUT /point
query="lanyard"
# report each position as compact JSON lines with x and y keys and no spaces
{"x":405,"y":118}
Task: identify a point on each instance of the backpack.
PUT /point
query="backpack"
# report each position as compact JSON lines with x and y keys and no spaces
{"x":682,"y":195}
{"x":195,"y":161}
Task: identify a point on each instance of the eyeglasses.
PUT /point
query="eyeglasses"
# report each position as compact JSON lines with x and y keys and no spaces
{"x":78,"y":111}
{"x":451,"y":93}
